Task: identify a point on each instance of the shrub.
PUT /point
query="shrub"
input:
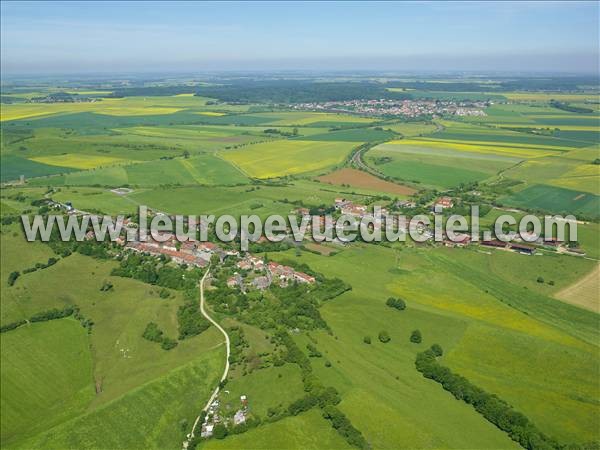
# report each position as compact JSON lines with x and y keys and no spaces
{"x":220,"y":431}
{"x":416,"y":337}
{"x":13,"y":277}
{"x":168,"y":343}
{"x":384,"y":337}
{"x":106,"y":286}
{"x":396,"y":303}
{"x":313,"y":352}
{"x":153,"y":333}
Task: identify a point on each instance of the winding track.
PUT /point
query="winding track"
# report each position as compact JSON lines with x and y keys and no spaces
{"x":227,"y":342}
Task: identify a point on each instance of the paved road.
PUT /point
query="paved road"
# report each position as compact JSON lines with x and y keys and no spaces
{"x":227,"y":342}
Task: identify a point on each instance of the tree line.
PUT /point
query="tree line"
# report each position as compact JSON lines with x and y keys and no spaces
{"x":494,"y":409}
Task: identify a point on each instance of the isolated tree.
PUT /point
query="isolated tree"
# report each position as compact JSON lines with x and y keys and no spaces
{"x":367,"y":339}
{"x":415,"y":337}
{"x":186,"y":154}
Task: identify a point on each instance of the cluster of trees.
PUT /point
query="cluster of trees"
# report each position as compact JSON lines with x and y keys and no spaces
{"x":313,"y":352}
{"x":296,"y":91}
{"x":295,"y":306}
{"x":317,"y":394}
{"x":190,"y":320}
{"x":268,"y":246}
{"x":294,"y":132}
{"x":396,"y":303}
{"x":494,"y":409}
{"x":153,"y":270}
{"x":39,"y":266}
{"x":570,"y":108}
{"x":51,"y":314}
{"x":238,"y":344}
{"x":155,"y":334}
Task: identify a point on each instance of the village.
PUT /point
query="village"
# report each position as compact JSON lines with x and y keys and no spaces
{"x":402,"y":108}
{"x":255,"y":273}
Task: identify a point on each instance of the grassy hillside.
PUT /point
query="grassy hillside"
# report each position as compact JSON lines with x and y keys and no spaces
{"x":453,"y":312}
{"x":46,"y":377}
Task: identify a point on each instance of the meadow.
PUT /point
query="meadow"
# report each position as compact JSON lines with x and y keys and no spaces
{"x":128,"y":372}
{"x":455,"y":310}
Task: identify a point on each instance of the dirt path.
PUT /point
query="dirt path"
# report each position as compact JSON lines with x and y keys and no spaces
{"x":227,"y":342}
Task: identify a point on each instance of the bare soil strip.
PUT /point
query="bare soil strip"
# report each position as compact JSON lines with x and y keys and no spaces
{"x":364,"y":180}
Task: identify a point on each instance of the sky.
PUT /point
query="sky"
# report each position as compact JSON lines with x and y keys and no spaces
{"x":120,"y":37}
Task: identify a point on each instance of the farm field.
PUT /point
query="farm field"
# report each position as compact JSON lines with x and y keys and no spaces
{"x":203,"y":169}
{"x":556,"y":200}
{"x":423,"y":164}
{"x":281,"y":158}
{"x":353,"y":177}
{"x":412,"y":129}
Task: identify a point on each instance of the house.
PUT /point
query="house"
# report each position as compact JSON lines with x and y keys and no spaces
{"x":207,"y":430}
{"x":303,"y":278}
{"x":244,"y":264}
{"x":405,"y":204}
{"x":354,"y":210}
{"x":340,"y":203}
{"x":208,"y":247}
{"x":239,"y":417}
{"x":444,"y":203}
{"x":303,"y":212}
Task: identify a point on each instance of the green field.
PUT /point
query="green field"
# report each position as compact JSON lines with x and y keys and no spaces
{"x":556,"y":200}
{"x":453,"y":308}
{"x":307,"y":431}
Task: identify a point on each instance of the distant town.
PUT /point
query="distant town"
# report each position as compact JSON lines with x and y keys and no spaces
{"x":401,"y":108}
